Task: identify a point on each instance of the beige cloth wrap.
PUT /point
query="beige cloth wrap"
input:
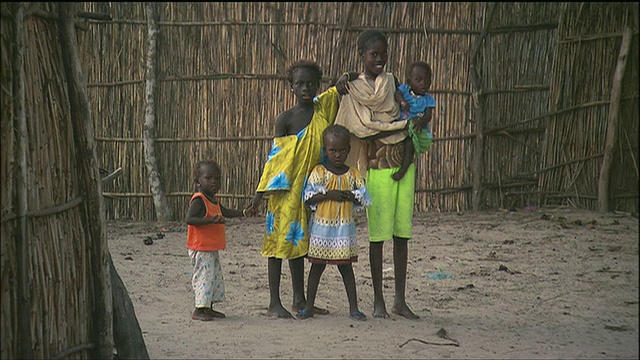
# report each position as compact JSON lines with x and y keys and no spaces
{"x":368,"y":110}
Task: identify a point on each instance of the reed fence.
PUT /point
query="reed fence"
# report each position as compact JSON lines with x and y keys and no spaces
{"x":537,"y":105}
{"x":221,"y":82}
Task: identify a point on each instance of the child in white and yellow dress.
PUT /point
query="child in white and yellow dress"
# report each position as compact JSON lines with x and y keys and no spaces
{"x":334,"y":192}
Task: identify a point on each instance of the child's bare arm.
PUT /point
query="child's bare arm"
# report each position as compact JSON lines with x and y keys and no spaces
{"x":343,"y":81}
{"x":283,"y":122}
{"x":349,"y":76}
{"x":196,"y":213}
{"x":231,"y":213}
{"x":252,"y":208}
{"x":428,"y":113}
{"x":396,"y":80}
{"x":400,"y":100}
{"x":420,"y":122}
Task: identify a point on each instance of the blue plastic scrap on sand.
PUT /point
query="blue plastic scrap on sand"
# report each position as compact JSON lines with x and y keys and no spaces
{"x":431,"y":275}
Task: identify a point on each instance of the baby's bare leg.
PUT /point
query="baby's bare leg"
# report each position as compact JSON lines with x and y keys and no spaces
{"x":407,"y":159}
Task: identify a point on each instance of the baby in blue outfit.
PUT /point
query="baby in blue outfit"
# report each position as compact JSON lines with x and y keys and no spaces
{"x":415,"y":102}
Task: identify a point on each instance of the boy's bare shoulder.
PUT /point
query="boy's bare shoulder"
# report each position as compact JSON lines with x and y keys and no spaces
{"x":285,"y":115}
{"x":283,"y":122}
{"x":284,"y":118}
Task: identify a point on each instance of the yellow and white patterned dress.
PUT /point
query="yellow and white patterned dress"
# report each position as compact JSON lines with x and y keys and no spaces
{"x":285,"y":172}
{"x":332,"y":227}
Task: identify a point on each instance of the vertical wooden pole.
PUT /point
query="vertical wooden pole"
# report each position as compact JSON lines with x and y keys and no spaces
{"x":477,"y":165}
{"x":612,"y":125}
{"x":337,"y":53}
{"x":480,"y":100}
{"x":91,"y":183}
{"x":163,"y":212}
{"x":23,"y":275}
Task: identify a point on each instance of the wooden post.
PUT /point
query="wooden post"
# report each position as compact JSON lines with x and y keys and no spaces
{"x":90,"y":182}
{"x":612,"y":125}
{"x":337,"y":53}
{"x":478,"y":155}
{"x":478,"y":149}
{"x":21,"y":239}
{"x":163,"y":211}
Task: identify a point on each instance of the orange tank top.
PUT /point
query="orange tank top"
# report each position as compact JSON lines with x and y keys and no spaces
{"x":210,"y":237}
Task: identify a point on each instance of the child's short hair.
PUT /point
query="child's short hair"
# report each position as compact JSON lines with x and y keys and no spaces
{"x":369,"y":37}
{"x":421,"y":64}
{"x":198,"y":168}
{"x":304,"y":64}
{"x":337,"y":131}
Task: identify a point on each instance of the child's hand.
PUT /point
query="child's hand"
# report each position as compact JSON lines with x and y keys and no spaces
{"x":254,"y":204}
{"x":339,"y":195}
{"x":420,"y":122}
{"x":249,"y":211}
{"x":217,"y":219}
{"x":342,"y":85}
{"x":404,"y":106}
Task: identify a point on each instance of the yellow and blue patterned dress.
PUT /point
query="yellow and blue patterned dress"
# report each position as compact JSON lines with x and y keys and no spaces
{"x":332,"y":227}
{"x":285,"y":172}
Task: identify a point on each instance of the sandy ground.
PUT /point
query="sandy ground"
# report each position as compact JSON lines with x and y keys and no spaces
{"x":554,"y":283}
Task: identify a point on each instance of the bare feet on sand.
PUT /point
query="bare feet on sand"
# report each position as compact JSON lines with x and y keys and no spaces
{"x":380,"y":310}
{"x":316,"y":310}
{"x":215,"y":314}
{"x":403,"y":310}
{"x":202,"y":314}
{"x":279,"y":312}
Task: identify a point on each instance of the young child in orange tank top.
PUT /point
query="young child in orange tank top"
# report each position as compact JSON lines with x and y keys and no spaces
{"x":206,"y":235}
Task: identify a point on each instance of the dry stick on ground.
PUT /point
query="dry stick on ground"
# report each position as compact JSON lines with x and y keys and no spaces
{"x":441,"y":333}
{"x":454,"y":343}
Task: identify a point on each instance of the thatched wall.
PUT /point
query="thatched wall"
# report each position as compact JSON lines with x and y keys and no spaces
{"x":589,"y":42}
{"x":56,"y":300}
{"x":221,"y":83}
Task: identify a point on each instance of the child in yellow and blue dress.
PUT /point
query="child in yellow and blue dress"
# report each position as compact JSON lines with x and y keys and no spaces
{"x":206,"y":235}
{"x":296,"y":149}
{"x":333,"y":192}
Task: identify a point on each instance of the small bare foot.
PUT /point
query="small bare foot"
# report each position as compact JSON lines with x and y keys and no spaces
{"x":201,"y":314}
{"x":215,"y":314}
{"x":380,"y":311}
{"x":397,"y":176}
{"x":279,"y":312}
{"x":403,"y":310}
{"x":320,"y":311}
{"x":357,"y":316}
{"x":316,"y":310}
{"x":304,"y":314}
